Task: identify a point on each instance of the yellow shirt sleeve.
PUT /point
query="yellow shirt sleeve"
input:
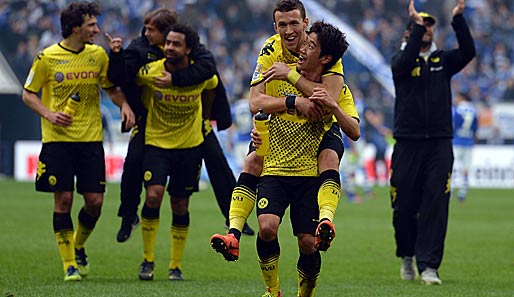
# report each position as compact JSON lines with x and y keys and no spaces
{"x":104,"y":82}
{"x":211,"y":83}
{"x":346,"y":102}
{"x":37,"y":74}
{"x":336,"y":69}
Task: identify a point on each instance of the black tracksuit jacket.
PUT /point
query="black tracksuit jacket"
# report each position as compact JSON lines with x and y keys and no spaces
{"x":423,"y":93}
{"x":124,"y":65}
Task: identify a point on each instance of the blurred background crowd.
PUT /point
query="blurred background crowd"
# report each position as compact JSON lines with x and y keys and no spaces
{"x":235,"y":30}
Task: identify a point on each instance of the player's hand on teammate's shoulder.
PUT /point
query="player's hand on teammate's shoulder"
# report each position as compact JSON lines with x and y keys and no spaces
{"x":164,"y":80}
{"x":277,"y":71}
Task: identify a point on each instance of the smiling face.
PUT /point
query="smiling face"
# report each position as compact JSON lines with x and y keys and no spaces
{"x":175,"y":48}
{"x":88,"y":29}
{"x":291,"y":27}
{"x":310,"y":60}
{"x":154,"y":36}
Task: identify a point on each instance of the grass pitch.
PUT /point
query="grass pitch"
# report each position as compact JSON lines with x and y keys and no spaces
{"x":479,"y":254}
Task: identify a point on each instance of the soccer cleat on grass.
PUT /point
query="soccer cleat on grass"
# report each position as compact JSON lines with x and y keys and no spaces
{"x":81,"y":259}
{"x":128,"y":225}
{"x":269,"y":294}
{"x":325,"y":233}
{"x":72,"y":274}
{"x":407,"y":271}
{"x":146,"y":270}
{"x":430,"y":277}
{"x":227,"y":245}
{"x":175,"y":274}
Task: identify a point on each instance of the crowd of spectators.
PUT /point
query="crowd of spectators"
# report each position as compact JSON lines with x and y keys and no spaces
{"x":235,"y":30}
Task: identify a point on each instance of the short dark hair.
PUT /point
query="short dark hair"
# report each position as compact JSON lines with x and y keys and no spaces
{"x":192,"y":38}
{"x":288,"y":5}
{"x":73,"y":15}
{"x":331,"y":40}
{"x":161,"y":18}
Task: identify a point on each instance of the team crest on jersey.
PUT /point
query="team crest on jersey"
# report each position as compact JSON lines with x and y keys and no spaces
{"x":257,"y":72}
{"x":263,"y":203}
{"x":59,"y":77}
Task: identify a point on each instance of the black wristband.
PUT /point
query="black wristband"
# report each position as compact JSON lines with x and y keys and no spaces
{"x":290,"y":102}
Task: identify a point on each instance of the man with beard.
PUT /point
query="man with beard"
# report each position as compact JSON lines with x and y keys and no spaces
{"x":123,"y":67}
{"x":173,"y":139}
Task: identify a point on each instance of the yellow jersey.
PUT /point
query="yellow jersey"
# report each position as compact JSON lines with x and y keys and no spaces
{"x":60,"y":73}
{"x":274,"y":50}
{"x":347,"y":104}
{"x":294,"y":140}
{"x":174,"y":118}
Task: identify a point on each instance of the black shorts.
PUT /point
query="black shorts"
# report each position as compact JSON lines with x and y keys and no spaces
{"x":276,"y":193}
{"x":60,"y":162}
{"x":332,"y":139}
{"x":182,"y":166}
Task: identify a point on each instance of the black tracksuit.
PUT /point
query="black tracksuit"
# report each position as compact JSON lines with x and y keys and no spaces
{"x":123,"y":68}
{"x":422,"y":159}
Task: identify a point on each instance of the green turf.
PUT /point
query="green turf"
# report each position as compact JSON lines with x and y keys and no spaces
{"x":479,"y":256}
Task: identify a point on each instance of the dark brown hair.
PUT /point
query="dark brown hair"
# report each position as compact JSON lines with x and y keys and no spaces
{"x":73,"y":15}
{"x":331,"y":40}
{"x":161,"y":18}
{"x":288,"y":5}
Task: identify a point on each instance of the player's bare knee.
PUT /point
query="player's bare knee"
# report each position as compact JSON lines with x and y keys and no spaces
{"x":306,"y":243}
{"x":94,"y":201}
{"x":328,"y":160}
{"x":267,"y":233}
{"x":253,"y":164}
{"x":63,"y":201}
{"x":180,"y":206}
{"x":268,"y":227}
{"x":153,"y":199}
